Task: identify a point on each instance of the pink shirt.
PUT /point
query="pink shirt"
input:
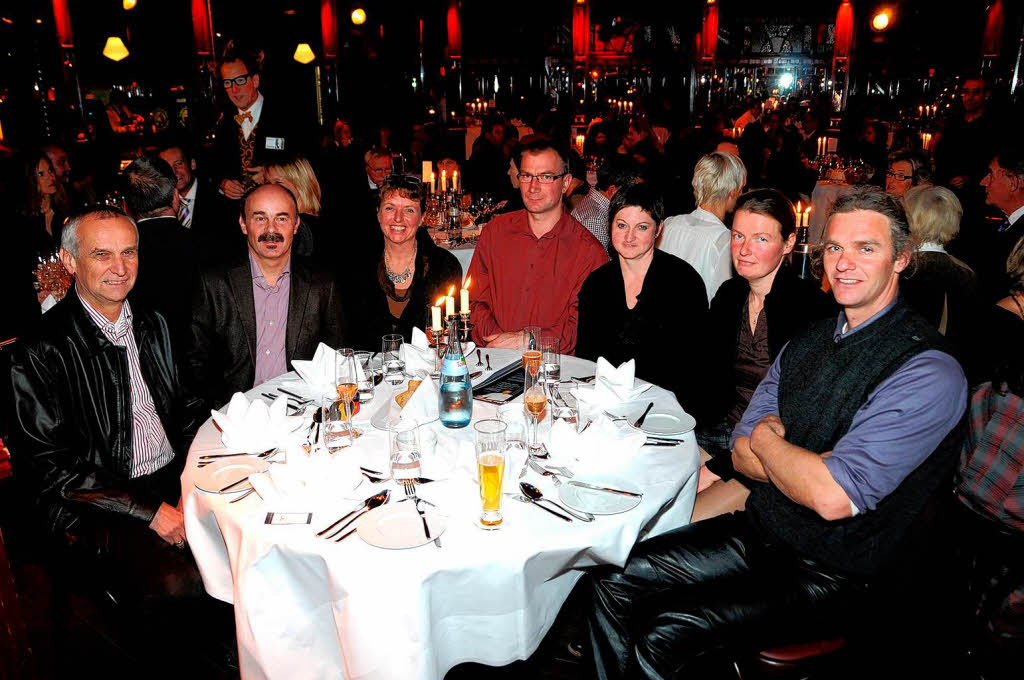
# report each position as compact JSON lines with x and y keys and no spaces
{"x":271,"y":304}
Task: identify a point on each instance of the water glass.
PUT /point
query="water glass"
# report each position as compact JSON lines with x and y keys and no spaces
{"x":366,"y":378}
{"x":404,"y":450}
{"x":391,"y":357}
{"x":515,"y":425}
{"x":550,"y":361}
{"x":490,"y":463}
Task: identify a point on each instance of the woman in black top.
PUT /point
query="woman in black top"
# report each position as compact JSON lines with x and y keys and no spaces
{"x":645,"y":304}
{"x":43,"y":207}
{"x":753,"y":315}
{"x":391,"y":291}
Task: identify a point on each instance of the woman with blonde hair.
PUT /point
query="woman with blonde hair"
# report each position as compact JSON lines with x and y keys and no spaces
{"x":297,"y":176}
{"x":940,"y":287}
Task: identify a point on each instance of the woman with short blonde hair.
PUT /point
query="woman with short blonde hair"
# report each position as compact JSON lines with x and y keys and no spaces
{"x":934,"y":214}
{"x":718,"y":176}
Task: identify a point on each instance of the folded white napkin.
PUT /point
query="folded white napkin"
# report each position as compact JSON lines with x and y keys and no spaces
{"x":422,"y":406}
{"x":603,"y":447}
{"x":48,"y":303}
{"x":253,"y":427}
{"x":318,"y":373}
{"x":418,"y":355}
{"x":307,"y":481}
{"x":612,"y":386}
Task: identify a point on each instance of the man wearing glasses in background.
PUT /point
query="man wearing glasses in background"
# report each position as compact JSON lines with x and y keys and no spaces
{"x":529,"y":264}
{"x":252,"y":132}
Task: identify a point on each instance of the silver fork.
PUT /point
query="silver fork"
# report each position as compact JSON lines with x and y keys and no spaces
{"x":410,"y":492}
{"x":547,"y":473}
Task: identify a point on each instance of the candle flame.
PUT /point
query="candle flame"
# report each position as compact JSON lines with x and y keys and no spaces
{"x":440,"y":301}
{"x":807,"y":210}
{"x":469,"y":280}
{"x":798,"y":204}
{"x":451,"y":291}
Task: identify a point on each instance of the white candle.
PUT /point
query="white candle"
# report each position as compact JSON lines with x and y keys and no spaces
{"x":449,"y":305}
{"x":455,"y":181}
{"x":464,"y":301}
{"x":433,"y":183}
{"x":444,"y":181}
{"x":435,"y":318}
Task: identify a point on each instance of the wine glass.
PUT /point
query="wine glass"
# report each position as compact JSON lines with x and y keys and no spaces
{"x":535,"y":404}
{"x":340,"y":432}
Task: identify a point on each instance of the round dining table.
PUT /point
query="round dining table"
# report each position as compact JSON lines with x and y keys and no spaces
{"x":306,"y":607}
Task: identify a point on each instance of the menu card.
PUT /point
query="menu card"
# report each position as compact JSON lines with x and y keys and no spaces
{"x":504,"y":385}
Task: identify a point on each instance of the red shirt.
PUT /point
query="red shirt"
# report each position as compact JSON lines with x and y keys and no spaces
{"x":520,"y":280}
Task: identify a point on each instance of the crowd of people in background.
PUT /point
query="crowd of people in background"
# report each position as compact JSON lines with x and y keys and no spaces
{"x":272,"y":240}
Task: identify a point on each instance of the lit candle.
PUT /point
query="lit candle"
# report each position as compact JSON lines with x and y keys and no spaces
{"x":444,"y":181}
{"x":920,"y":110}
{"x":433,"y":182}
{"x":449,"y":306}
{"x":807,"y":216}
{"x":631,"y":107}
{"x":455,"y":181}
{"x":435,"y":316}
{"x":798,"y":211}
{"x":464,"y":296}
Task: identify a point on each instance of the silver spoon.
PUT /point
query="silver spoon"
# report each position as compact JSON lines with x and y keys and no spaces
{"x":534,"y":494}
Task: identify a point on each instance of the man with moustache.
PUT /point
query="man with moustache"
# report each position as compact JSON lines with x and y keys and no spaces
{"x":253,"y":315}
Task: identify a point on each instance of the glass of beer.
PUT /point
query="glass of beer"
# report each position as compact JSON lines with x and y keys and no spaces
{"x":490,"y":464}
{"x":338,"y":412}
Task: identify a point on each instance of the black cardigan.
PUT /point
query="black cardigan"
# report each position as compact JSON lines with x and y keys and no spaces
{"x":367,"y":315}
{"x":791,"y":304}
{"x":664,"y":332}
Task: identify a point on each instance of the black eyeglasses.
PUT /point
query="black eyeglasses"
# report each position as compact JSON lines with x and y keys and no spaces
{"x":408,"y":182}
{"x":237,"y":81}
{"x":899,"y":176}
{"x":546,"y":178}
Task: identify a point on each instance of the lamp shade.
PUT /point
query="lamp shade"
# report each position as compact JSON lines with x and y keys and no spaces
{"x":303,"y":53}
{"x":709,"y":32}
{"x":844,"y":31}
{"x":115,"y":49}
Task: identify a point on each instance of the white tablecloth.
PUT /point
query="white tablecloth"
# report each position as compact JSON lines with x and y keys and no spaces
{"x":308,"y":608}
{"x":464,"y":254}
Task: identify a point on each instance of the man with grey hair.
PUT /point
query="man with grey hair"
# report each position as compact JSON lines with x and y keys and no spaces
{"x":167,"y":251}
{"x":701,"y":237}
{"x":851,"y":439}
{"x":102,"y":423}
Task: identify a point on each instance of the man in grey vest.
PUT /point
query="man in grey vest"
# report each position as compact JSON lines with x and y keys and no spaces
{"x":852,"y":434}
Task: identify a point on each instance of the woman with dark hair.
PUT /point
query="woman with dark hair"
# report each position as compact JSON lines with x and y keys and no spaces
{"x":43,"y":208}
{"x":645,"y":304}
{"x":752,"y":317}
{"x":390,"y":293}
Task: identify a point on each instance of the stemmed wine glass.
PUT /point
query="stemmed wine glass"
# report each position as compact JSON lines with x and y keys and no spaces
{"x":346,"y":384}
{"x":535,"y":402}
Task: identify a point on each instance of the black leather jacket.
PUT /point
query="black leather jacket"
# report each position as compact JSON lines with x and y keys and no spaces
{"x":71,"y":435}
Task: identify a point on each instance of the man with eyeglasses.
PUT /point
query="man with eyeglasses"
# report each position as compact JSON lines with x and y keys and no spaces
{"x":529,"y":264}
{"x":253,"y":132}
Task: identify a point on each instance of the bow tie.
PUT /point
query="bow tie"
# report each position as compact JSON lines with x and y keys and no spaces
{"x":242,"y":116}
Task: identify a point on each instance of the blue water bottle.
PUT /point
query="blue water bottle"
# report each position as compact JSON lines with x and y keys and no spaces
{"x":456,"y":395}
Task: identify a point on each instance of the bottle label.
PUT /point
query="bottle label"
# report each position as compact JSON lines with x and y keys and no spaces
{"x":454,"y":367}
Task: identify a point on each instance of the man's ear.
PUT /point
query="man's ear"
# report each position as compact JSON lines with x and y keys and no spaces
{"x":67,"y":260}
{"x":241,"y":223}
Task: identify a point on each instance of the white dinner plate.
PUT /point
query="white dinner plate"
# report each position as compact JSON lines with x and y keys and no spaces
{"x":397,"y":526}
{"x":599,"y":502}
{"x":668,"y":423}
{"x":215,"y":476}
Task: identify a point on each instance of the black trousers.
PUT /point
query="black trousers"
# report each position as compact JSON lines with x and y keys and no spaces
{"x":693,"y":596}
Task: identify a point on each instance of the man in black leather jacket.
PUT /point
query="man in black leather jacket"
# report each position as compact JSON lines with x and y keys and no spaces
{"x":102,"y":423}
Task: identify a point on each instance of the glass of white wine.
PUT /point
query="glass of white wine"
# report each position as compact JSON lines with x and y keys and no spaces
{"x":340,"y":432}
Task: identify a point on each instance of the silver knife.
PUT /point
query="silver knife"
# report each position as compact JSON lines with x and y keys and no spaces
{"x":654,"y":442}
{"x":423,"y":518}
{"x":595,"y":487}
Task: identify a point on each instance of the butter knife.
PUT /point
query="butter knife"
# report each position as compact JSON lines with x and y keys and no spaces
{"x":423,"y":518}
{"x":595,"y":487}
{"x":654,"y":442}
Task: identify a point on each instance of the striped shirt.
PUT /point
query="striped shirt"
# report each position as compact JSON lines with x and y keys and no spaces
{"x":592,"y":213}
{"x":150,"y":448}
